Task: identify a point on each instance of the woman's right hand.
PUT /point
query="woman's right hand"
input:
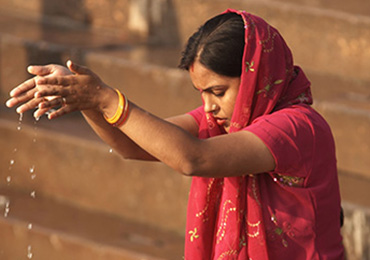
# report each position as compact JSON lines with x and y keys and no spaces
{"x":25,"y":92}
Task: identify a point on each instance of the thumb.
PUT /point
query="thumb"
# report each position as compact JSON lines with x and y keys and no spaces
{"x":40,"y":70}
{"x":77,"y":69}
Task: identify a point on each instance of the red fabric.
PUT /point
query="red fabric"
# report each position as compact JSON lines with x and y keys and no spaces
{"x":227,"y":217}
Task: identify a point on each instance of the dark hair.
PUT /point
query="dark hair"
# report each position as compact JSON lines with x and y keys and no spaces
{"x":218,"y":44}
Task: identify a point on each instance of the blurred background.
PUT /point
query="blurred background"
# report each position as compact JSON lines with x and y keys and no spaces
{"x":66,"y":195}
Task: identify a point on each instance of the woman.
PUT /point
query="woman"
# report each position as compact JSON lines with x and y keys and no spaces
{"x":262,"y":160}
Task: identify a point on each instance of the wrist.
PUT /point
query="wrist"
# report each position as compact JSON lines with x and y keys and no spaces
{"x":116,"y":114}
{"x":107,"y":101}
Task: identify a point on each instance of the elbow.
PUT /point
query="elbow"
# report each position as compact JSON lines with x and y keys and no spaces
{"x":191,"y":167}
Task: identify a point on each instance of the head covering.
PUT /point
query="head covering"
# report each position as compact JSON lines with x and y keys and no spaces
{"x":224,"y":219}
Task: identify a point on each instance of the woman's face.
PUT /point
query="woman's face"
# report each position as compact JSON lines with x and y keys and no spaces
{"x":218,"y":92}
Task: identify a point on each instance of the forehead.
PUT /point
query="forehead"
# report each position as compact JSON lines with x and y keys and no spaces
{"x":203,"y":77}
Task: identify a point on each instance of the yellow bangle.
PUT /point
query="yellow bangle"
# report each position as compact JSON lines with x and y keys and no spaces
{"x":124,"y":116}
{"x":120,"y":109}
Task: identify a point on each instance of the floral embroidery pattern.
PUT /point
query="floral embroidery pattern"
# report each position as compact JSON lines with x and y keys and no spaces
{"x":290,"y":181}
{"x":193,"y":234}
{"x":249,"y":66}
{"x":280,"y":231}
{"x":267,"y":89}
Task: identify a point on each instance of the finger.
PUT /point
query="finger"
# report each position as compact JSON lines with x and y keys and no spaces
{"x":21,"y":98}
{"x":33,"y":103}
{"x":57,"y":80}
{"x":60,"y":112}
{"x":40,"y":70}
{"x":53,"y":102}
{"x":21,"y":88}
{"x":40,"y":112}
{"x":78,"y":69}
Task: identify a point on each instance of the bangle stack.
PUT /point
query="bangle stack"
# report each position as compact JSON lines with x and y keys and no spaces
{"x":121,"y":113}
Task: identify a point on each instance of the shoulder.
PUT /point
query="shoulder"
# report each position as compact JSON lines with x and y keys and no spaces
{"x":295,"y":136}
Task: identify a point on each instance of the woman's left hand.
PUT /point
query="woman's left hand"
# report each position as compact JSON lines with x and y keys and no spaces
{"x":82,"y":90}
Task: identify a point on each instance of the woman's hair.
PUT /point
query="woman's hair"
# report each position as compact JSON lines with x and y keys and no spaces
{"x":218,"y":44}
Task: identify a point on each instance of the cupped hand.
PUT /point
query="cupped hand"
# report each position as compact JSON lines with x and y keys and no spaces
{"x":24,"y":94}
{"x":78,"y":88}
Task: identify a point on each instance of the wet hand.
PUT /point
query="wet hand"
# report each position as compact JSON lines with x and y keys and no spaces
{"x":83,"y":90}
{"x":24,"y":93}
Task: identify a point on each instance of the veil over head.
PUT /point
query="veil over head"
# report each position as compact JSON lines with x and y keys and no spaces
{"x":224,"y":219}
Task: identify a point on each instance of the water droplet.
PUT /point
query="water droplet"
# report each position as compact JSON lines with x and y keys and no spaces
{"x":37,"y":119}
{"x":32,"y":169}
{"x":33,"y":194}
{"x":12,"y":162}
{"x":15,"y":150}
{"x":20,"y":117}
{"x":9,"y":179}
{"x":29,"y":226}
{"x":19,"y":128}
{"x":33,"y":176}
{"x":29,"y":253}
{"x":111,"y":150}
{"x":7,"y":209}
{"x":34,"y":140}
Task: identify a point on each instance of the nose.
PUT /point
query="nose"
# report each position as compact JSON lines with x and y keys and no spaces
{"x":209,"y":105}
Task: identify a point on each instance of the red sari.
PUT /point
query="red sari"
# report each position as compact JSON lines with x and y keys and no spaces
{"x":240,"y":217}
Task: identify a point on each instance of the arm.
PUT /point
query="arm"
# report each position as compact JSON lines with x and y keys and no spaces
{"x":115,"y":138}
{"x":170,"y":141}
{"x":25,"y":94}
{"x":222,"y":156}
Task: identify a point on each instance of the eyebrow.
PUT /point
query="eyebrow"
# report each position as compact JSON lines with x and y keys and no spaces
{"x":209,"y":88}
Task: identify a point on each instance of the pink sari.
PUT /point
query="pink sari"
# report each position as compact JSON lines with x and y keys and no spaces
{"x":224,"y":219}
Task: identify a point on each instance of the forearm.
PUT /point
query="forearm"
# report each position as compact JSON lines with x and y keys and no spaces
{"x":164,"y":140}
{"x":116,"y":139}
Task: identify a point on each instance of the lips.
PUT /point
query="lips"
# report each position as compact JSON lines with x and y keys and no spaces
{"x":220,"y":121}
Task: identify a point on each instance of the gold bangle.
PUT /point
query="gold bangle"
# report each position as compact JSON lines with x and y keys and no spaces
{"x":120,"y":109}
{"x":124,"y":114}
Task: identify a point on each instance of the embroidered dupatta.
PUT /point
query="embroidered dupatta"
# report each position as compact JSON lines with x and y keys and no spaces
{"x":224,"y":219}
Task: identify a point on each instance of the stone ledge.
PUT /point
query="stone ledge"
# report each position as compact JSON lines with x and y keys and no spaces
{"x":356,"y":231}
{"x":60,"y":231}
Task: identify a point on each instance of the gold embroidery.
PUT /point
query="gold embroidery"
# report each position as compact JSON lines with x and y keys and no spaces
{"x":290,"y":181}
{"x":228,"y":253}
{"x":270,"y":38}
{"x":193,"y":234}
{"x":256,"y":233}
{"x":222,"y":229}
{"x":210,"y":184}
{"x":254,"y":189}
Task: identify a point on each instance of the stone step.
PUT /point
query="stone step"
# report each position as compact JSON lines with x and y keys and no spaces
{"x":64,"y":160}
{"x":356,"y":7}
{"x":321,"y":40}
{"x":329,"y":41}
{"x":147,"y":75}
{"x":41,"y":228}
